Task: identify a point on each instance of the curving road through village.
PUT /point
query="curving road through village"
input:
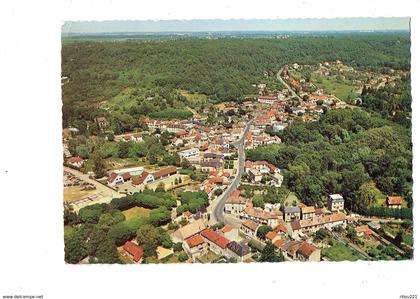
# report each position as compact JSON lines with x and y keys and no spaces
{"x":218,"y":204}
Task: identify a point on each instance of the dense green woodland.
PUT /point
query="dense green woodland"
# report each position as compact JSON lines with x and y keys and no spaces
{"x":348,"y":151}
{"x":98,"y":229}
{"x":223,"y":69}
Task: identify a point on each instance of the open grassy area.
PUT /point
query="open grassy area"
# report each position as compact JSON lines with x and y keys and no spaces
{"x":208,"y":257}
{"x":136,"y":212}
{"x":342,"y":89}
{"x":124,"y":99}
{"x":339,"y":252}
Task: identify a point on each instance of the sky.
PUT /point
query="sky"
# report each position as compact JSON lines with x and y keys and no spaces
{"x":341,"y":24}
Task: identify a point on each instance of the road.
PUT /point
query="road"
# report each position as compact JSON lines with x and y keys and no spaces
{"x":218,"y":203}
{"x":294,"y":94}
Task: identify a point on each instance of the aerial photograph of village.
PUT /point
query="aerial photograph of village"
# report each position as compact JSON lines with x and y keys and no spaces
{"x":244,"y":146}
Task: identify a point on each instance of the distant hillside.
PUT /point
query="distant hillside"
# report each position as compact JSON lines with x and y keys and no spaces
{"x":223,"y":69}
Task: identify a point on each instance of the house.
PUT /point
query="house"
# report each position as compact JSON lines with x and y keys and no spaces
{"x":188,"y":231}
{"x":394,"y":202}
{"x":291,"y":213}
{"x":101,"y":121}
{"x":307,"y":226}
{"x":335,"y":203}
{"x":75,"y":161}
{"x":216,"y":242}
{"x":147,"y":177}
{"x":136,"y":137}
{"x":281,"y":229}
{"x":235,"y":204}
{"x":191,"y":153}
{"x":238,"y":251}
{"x":134,"y":251}
{"x":249,"y":228}
{"x":307,"y":212}
{"x":308,"y":252}
{"x":363,"y":231}
{"x":164,"y":172}
{"x":195,"y":246}
{"x":144,"y":178}
{"x":260,"y":216}
{"x":272,"y":236}
{"x":290,"y":248}
{"x":116,"y":179}
{"x":267,"y":99}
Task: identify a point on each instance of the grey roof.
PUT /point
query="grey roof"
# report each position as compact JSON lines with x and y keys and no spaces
{"x":292,"y":210}
{"x":239,"y":249}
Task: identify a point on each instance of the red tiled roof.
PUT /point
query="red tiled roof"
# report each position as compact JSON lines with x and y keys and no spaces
{"x":75,"y":160}
{"x":126,"y":176}
{"x":394,"y":200}
{"x":227,"y":228}
{"x":280,"y":228}
{"x":306,"y":249}
{"x":187,"y":213}
{"x":134,"y":250}
{"x":112,"y":177}
{"x":222,"y":242}
{"x":140,"y":179}
{"x":164,"y":171}
{"x":279,"y":243}
{"x":210,"y":235}
{"x":251,"y":225}
{"x":271,"y":235}
{"x":195,"y":241}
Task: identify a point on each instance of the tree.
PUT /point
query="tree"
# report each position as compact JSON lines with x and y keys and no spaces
{"x":399,"y":238}
{"x":269,"y":254}
{"x":177,"y":247}
{"x":74,"y":247}
{"x":98,"y":165}
{"x":107,"y":253}
{"x":120,"y":233}
{"x":263,"y":230}
{"x":183,"y":257}
{"x":321,"y":234}
{"x":148,"y":237}
{"x":70,"y":217}
{"x":366,"y":196}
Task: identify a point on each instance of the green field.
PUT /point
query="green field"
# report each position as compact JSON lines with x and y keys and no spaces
{"x":339,"y":252}
{"x":342,"y":89}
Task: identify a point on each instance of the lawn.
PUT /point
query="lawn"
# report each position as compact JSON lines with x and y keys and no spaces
{"x":343,"y":89}
{"x":124,"y":99}
{"x":136,"y":212}
{"x":339,"y":252}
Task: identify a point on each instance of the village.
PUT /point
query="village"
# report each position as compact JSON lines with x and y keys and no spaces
{"x":212,"y":162}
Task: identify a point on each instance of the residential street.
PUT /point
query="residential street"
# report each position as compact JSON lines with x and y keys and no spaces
{"x":218,"y":204}
{"x":287,"y":85}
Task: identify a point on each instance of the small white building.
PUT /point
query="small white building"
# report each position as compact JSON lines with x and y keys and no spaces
{"x":191,"y":153}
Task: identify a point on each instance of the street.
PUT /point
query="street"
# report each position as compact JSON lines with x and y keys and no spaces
{"x":218,"y":204}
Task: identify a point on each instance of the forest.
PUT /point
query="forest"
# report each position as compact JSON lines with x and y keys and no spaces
{"x":223,"y":69}
{"x":348,"y":151}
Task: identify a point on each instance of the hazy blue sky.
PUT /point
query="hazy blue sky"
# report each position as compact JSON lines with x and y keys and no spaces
{"x":239,"y":25}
